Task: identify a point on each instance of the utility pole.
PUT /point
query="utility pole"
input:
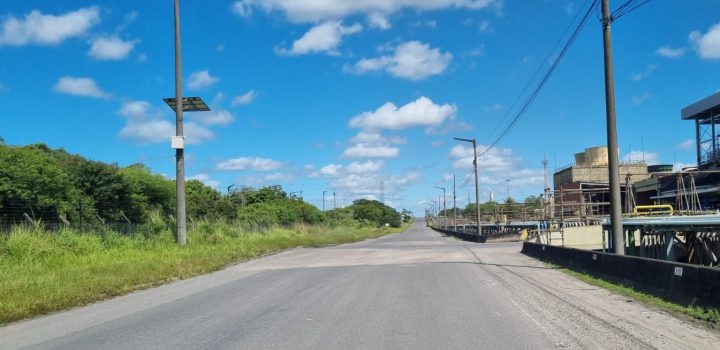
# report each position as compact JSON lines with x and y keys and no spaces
{"x":454,"y":206}
{"x":546,"y":191}
{"x":323,"y":205}
{"x":334,"y":201}
{"x":181,"y":229}
{"x":613,"y":166}
{"x":382,"y":192}
{"x":477,"y":186}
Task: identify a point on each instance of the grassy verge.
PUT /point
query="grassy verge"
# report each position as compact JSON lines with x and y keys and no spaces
{"x":708,"y":317}
{"x":42,"y":272}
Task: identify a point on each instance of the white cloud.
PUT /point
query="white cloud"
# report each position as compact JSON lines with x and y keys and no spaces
{"x":412,"y":60}
{"x":362,"y":150}
{"x":686,"y":145}
{"x":79,"y":86}
{"x":669,"y":52}
{"x":650,"y":158}
{"x":250,"y":163}
{"x":649,"y":69}
{"x":494,"y":168}
{"x":379,"y":21}
{"x":200,"y":80}
{"x":148,"y":130}
{"x":205,"y":178}
{"x":330,"y":170}
{"x":319,"y":10}
{"x":144,"y":124}
{"x":497,"y":159}
{"x":364,"y":167}
{"x":41,"y":29}
{"x":324,"y":37}
{"x":421,"y":112}
{"x":242,"y":8}
{"x":372,"y":137}
{"x":707,"y":44}
{"x":245,"y":98}
{"x":368,"y":185}
{"x":214,"y":117}
{"x":638,"y":100}
{"x":111,"y":48}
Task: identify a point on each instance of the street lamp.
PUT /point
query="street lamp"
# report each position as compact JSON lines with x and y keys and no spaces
{"x":228,"y":189}
{"x":444,"y":211}
{"x":180,"y":104}
{"x":477,"y":187}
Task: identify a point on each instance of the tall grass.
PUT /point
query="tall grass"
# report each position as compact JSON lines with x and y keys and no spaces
{"x":42,"y":272}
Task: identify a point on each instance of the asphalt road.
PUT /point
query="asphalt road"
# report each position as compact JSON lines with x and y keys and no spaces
{"x":414,"y":290}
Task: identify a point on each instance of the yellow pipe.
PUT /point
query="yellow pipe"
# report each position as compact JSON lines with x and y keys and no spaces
{"x":668,"y":209}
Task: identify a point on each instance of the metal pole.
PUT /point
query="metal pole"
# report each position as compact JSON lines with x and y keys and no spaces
{"x":181,"y":229}
{"x":454,"y":206}
{"x":613,"y":166}
{"x":444,"y":204}
{"x":323,"y":205}
{"x":477,"y":187}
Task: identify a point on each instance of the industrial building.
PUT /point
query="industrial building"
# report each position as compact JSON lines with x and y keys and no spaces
{"x":581,"y":190}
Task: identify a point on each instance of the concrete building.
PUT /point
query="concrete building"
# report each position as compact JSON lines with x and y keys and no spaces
{"x":592,"y":166}
{"x":581,"y":190}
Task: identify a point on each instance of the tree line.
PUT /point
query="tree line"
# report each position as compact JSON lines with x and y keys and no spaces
{"x":53,"y":185}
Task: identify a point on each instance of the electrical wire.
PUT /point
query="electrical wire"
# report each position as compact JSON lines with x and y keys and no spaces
{"x":544,"y":80}
{"x":537,"y":72}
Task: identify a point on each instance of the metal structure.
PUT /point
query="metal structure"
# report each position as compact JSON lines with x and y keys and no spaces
{"x":692,"y":239}
{"x":706,"y":114}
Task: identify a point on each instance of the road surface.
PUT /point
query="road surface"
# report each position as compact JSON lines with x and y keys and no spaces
{"x":414,"y":290}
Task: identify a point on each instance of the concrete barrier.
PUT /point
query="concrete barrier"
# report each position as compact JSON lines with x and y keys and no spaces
{"x":681,"y":283}
{"x":471,"y":237}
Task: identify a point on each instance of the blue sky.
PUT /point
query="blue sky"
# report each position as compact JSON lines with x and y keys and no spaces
{"x":342,"y":95}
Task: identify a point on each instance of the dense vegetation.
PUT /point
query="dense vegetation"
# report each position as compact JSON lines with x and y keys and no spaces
{"x":50,"y":261}
{"x":53,"y":186}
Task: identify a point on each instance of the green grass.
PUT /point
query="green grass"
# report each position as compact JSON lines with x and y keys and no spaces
{"x":43,"y":272}
{"x":708,"y":317}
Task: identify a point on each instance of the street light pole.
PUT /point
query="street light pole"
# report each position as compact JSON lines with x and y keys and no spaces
{"x":323,"y":205}
{"x":613,"y":166}
{"x":444,"y":211}
{"x":181,"y":229}
{"x":477,"y":186}
{"x":454,"y":205}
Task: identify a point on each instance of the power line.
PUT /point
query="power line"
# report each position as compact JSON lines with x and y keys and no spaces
{"x":627,"y":8}
{"x":537,"y":72}
{"x":542,"y":82}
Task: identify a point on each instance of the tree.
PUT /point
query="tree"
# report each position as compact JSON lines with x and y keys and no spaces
{"x":33,"y":182}
{"x":375,"y":212}
{"x":202,"y":201}
{"x":149,"y":192}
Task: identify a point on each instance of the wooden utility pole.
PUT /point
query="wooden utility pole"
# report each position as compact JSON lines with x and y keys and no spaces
{"x":613,"y":162}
